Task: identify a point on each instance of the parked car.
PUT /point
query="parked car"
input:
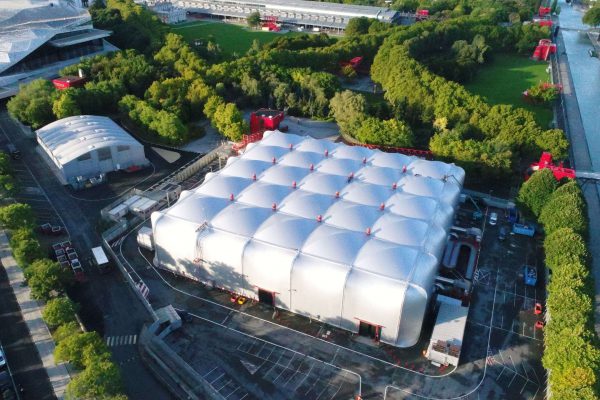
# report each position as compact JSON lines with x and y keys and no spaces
{"x":2,"y":359}
{"x":493,"y":218}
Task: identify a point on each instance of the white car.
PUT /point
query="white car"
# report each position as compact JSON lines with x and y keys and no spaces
{"x":493,"y":218}
{"x":2,"y":360}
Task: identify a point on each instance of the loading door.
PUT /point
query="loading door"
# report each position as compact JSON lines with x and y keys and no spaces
{"x":368,"y":330}
{"x":264,"y":296}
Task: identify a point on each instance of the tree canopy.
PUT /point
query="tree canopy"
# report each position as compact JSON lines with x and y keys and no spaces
{"x":47,"y":278}
{"x":536,"y":191}
{"x":59,"y":311}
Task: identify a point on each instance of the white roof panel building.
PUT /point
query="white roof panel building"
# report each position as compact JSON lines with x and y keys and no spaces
{"x":89,"y":145}
{"x":295,"y":12}
{"x":356,"y":240}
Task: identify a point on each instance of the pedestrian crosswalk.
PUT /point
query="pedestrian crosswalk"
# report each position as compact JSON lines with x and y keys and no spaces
{"x":123,"y":340}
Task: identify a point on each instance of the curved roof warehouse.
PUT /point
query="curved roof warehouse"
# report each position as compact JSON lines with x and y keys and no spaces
{"x":88,"y":145}
{"x":347,"y":235}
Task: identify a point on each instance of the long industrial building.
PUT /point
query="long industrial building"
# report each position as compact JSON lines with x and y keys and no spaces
{"x":37,"y":38}
{"x":346,"y":235}
{"x":307,"y":14}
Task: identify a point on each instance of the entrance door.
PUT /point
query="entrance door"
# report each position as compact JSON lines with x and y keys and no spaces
{"x":264,"y":296}
{"x":368,"y":330}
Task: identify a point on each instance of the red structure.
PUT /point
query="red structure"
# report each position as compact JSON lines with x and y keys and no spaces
{"x":354,"y":63}
{"x":271,"y":24}
{"x":422,"y":14}
{"x":260,"y":121}
{"x":543,"y":11}
{"x":546,"y":161}
{"x":66,"y":82}
{"x":544,"y":48}
{"x":265,"y":120}
{"x":545,"y":22}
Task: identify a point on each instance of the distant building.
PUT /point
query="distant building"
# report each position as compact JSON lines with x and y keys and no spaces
{"x":168,"y":13}
{"x":85,"y":146}
{"x":300,"y":13}
{"x":38,"y":38}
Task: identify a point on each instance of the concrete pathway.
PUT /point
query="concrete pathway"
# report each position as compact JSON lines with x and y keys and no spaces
{"x":32,"y":315}
{"x":579,"y":77}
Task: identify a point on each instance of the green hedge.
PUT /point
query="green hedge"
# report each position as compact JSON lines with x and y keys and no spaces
{"x":571,"y":354}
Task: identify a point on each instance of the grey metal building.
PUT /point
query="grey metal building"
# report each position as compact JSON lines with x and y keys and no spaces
{"x":85,"y":146}
{"x":308,"y":14}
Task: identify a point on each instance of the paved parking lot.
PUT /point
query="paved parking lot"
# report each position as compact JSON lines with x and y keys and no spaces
{"x":30,"y":191}
{"x":501,"y":355}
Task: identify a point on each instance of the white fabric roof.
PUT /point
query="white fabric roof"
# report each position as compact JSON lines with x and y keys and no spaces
{"x":71,"y":137}
{"x":387,"y":224}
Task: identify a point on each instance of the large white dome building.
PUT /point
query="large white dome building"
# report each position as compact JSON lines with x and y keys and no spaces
{"x":347,"y":235}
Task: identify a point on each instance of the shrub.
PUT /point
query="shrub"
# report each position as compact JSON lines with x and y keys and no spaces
{"x":536,"y":192}
{"x":47,"y":278}
{"x":17,"y":215}
{"x":81,"y":349}
{"x":59,"y":311}
{"x":66,"y":330}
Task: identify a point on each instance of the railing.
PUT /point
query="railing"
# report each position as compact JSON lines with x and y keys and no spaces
{"x":129,"y":278}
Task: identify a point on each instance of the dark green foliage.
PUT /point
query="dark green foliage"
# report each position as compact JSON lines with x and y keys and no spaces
{"x":100,"y":380}
{"x":25,"y":246}
{"x":392,"y":133}
{"x":535,"y":193}
{"x":348,"y":109}
{"x":163,"y":125}
{"x":47,"y":278}
{"x":16,"y":216}
{"x":358,"y":26}
{"x":592,"y":16}
{"x":564,"y":211}
{"x":33,"y":104}
{"x":253,"y":20}
{"x":133,"y":26}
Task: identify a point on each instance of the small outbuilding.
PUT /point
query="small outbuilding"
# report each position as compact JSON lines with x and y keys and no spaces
{"x":85,"y":146}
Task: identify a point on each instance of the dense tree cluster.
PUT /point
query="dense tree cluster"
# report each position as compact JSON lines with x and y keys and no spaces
{"x":133,"y":25}
{"x":158,"y":123}
{"x":571,"y":353}
{"x":48,"y":282}
{"x":483,"y":138}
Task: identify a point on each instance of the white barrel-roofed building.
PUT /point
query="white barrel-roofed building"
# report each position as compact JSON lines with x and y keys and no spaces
{"x":350,"y":236}
{"x":88,"y":145}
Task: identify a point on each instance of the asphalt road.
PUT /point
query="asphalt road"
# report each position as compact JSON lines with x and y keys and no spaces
{"x":577,"y":94}
{"x":108,"y":304}
{"x":21,"y":353}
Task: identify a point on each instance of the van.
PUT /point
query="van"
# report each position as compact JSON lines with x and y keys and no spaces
{"x":13,"y":151}
{"x":493,"y":218}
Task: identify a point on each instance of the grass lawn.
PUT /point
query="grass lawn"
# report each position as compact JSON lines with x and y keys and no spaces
{"x":505,"y":79}
{"x":232,"y":38}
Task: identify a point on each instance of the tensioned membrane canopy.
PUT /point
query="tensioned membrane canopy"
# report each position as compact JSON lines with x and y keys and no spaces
{"x":71,"y":137}
{"x":339,"y":233}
